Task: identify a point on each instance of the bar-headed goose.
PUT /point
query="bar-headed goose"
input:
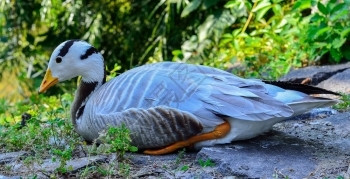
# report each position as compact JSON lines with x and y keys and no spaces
{"x":170,"y":105}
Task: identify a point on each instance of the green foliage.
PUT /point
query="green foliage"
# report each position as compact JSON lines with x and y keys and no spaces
{"x":255,"y":39}
{"x":117,"y":140}
{"x":49,"y":118}
{"x":98,"y":170}
{"x":328,"y":30}
{"x":124,"y":169}
{"x":180,"y":156}
{"x":269,"y":37}
{"x":264,"y":38}
{"x":64,"y":155}
{"x":49,"y":112}
{"x":344,"y":104}
{"x":57,"y":139}
{"x":206,"y":163}
{"x":184,"y":168}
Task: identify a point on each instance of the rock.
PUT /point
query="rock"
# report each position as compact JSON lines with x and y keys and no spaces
{"x":7,"y":157}
{"x":333,"y":131}
{"x":141,"y":159}
{"x":339,"y":82}
{"x":316,"y":114}
{"x":48,"y":166}
{"x":11,"y":177}
{"x":262,"y":158}
{"x":329,"y":136}
{"x":317,"y":74}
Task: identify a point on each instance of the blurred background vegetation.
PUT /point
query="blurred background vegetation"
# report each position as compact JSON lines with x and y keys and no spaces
{"x":254,"y":38}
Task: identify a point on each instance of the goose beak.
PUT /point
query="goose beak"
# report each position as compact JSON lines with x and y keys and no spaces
{"x":48,"y":81}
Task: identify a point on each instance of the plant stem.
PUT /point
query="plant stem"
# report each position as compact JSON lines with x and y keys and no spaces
{"x":249,"y":17}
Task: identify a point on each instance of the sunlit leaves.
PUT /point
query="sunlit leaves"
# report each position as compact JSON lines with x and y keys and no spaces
{"x":302,"y":4}
{"x":261,"y":8}
{"x":322,"y":8}
{"x":328,"y":30}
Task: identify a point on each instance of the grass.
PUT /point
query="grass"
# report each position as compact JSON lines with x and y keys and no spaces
{"x":206,"y":163}
{"x":49,"y":133}
{"x":344,"y":104}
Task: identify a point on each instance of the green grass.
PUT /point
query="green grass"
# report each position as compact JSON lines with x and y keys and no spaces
{"x":49,"y":133}
{"x":344,"y":104}
{"x":206,"y":163}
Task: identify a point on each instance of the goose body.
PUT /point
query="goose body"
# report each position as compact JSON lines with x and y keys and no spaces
{"x":166,"y":103}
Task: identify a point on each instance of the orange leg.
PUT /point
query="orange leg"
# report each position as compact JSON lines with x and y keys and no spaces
{"x":219,"y":132}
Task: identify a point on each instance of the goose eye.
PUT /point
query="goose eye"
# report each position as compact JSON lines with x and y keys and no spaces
{"x":58,"y":59}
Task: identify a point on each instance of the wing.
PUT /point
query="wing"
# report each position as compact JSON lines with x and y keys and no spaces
{"x":205,"y":92}
{"x":150,"y":128}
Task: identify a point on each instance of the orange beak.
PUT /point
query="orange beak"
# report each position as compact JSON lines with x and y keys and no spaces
{"x":48,"y":81}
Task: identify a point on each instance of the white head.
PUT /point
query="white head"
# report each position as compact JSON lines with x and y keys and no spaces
{"x":74,"y":58}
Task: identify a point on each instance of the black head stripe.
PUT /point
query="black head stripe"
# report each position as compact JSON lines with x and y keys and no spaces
{"x":88,"y":52}
{"x":64,"y":50}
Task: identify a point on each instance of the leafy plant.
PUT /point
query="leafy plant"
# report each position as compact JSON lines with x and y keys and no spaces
{"x":185,"y":168}
{"x":254,"y":39}
{"x":97,"y":171}
{"x":329,"y":29}
{"x":344,"y":104}
{"x":206,"y":163}
{"x":267,"y":38}
{"x":180,"y":156}
{"x":117,"y":140}
{"x":64,"y":155}
{"x":124,"y":169}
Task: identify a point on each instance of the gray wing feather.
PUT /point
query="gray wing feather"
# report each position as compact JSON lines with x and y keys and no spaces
{"x":205,"y":92}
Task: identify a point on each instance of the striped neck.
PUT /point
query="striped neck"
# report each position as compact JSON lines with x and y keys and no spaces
{"x":82,"y":95}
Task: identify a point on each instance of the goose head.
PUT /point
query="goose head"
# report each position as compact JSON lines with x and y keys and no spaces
{"x":74,"y":58}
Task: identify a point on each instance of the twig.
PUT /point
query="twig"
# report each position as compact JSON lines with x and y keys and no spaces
{"x":249,"y":17}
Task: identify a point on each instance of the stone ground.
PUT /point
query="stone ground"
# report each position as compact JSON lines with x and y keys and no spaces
{"x":314,"y":145}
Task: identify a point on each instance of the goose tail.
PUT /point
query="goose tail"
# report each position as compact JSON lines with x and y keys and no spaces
{"x":303,"y":106}
{"x":299,"y":96}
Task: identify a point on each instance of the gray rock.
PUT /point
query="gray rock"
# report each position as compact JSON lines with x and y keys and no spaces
{"x":331,"y":139}
{"x":333,"y":131}
{"x":8,"y":157}
{"x":339,"y":82}
{"x":141,"y":159}
{"x":48,"y":166}
{"x":198,"y":173}
{"x":262,"y":158}
{"x":317,"y":74}
{"x":316,"y":114}
{"x":9,"y":177}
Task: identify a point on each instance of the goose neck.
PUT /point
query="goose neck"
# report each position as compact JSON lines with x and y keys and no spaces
{"x":82,"y":95}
